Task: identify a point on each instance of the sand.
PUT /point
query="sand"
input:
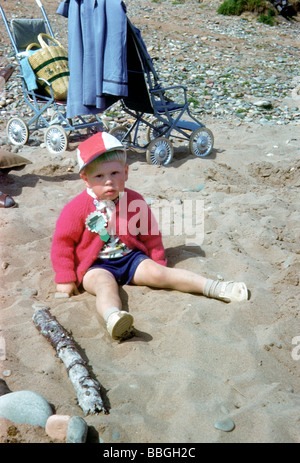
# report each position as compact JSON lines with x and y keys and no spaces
{"x":194,"y":361}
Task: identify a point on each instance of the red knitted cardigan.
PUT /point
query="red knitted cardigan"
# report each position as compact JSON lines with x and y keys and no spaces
{"x":74,"y":247}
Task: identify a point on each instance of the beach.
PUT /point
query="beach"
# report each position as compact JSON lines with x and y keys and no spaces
{"x":193,"y":361}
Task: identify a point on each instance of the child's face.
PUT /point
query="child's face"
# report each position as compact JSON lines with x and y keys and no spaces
{"x":107,"y":179}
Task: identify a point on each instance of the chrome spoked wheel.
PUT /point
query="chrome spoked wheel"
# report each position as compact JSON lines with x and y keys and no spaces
{"x":56,"y":139}
{"x":157,"y":130}
{"x":201,"y":142}
{"x":160,"y":151}
{"x":17,"y":131}
{"x":120,"y":132}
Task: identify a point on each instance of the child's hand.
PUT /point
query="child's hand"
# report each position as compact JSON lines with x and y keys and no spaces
{"x":68,"y":288}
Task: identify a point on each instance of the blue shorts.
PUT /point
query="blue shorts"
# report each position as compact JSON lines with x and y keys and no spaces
{"x":122,"y":268}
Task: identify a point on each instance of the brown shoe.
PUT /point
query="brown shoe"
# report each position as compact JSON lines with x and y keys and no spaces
{"x":6,"y":200}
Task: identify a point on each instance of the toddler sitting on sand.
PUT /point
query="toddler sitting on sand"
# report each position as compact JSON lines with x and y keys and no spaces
{"x":101,"y":241}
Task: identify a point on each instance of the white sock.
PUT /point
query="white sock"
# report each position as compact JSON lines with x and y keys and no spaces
{"x":108,"y":313}
{"x":226,"y":291}
{"x":209,"y":287}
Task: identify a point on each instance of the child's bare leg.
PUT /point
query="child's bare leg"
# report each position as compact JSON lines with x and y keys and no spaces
{"x":149,"y":273}
{"x":103,"y":285}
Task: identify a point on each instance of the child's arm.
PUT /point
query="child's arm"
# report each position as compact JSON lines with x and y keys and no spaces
{"x":156,"y":250}
{"x":68,"y":288}
{"x":153,"y":239}
{"x":140,"y":224}
{"x":66,"y":237}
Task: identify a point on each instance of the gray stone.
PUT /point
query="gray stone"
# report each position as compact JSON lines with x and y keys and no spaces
{"x":263,"y":104}
{"x":25,"y":407}
{"x":116,"y":435}
{"x":59,"y":295}
{"x":225,"y":425}
{"x":77,"y":430}
{"x":30,"y":292}
{"x":199,"y":187}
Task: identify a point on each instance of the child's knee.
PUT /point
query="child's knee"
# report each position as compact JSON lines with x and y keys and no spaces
{"x":97,"y":279}
{"x":158,"y":274}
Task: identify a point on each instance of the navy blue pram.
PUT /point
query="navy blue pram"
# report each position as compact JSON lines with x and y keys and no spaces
{"x":147,"y":97}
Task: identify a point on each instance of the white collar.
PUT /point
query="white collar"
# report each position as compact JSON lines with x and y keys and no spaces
{"x":101,"y":204}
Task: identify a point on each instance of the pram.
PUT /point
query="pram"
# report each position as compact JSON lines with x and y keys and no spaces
{"x":148,"y":104}
{"x":48,"y":113}
{"x":147,"y":97}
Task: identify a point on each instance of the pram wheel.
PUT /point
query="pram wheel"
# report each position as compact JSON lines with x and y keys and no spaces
{"x":160,"y":151}
{"x":17,"y":131}
{"x":157,"y":130}
{"x":56,"y":139}
{"x":201,"y":142}
{"x":120,"y":133}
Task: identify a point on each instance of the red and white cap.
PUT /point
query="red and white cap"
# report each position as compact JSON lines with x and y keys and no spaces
{"x":100,"y":143}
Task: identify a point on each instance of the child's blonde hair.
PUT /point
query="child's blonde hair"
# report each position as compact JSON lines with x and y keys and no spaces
{"x":117,"y":155}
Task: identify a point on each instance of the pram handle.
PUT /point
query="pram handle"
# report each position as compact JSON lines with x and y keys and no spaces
{"x":161,"y":91}
{"x":8,"y":30}
{"x":39,"y":3}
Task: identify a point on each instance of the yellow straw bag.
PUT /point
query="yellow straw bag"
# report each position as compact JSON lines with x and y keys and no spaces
{"x":51,"y":64}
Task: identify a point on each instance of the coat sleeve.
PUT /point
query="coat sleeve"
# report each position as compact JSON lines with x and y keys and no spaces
{"x":63,"y":8}
{"x":115,"y":75}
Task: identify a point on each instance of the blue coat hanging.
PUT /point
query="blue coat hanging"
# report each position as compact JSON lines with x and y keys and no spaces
{"x":97,"y":49}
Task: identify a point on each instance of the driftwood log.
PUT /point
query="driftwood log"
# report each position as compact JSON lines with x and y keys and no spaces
{"x":87,"y":388}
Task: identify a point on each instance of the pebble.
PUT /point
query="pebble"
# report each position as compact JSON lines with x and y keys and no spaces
{"x":178,"y":201}
{"x":199,"y":187}
{"x":149,"y":200}
{"x":59,"y":295}
{"x":116,"y":435}
{"x":25,"y":407}
{"x":263,"y":104}
{"x":77,"y":430}
{"x":225,"y":425}
{"x":57,"y":426}
{"x":30,"y":292}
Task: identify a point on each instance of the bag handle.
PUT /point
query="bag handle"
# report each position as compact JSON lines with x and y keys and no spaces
{"x":48,"y":37}
{"x":31,"y":45}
